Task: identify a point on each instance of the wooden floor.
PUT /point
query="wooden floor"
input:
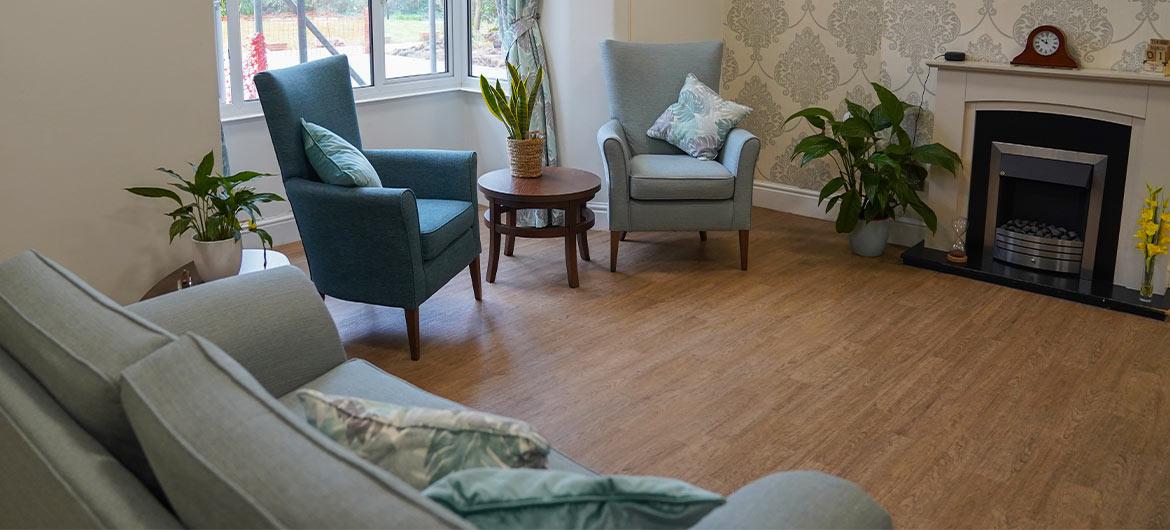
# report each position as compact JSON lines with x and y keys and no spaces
{"x":955,"y":403}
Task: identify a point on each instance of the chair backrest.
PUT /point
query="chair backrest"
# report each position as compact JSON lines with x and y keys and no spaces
{"x":320,"y":93}
{"x":644,"y":79}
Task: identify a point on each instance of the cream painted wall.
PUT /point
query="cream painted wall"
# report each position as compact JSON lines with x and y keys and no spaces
{"x":88,"y":108}
{"x":675,"y":20}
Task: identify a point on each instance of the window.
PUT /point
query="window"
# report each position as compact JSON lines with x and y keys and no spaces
{"x":395,"y":47}
{"x":486,"y":50}
{"x":416,"y":37}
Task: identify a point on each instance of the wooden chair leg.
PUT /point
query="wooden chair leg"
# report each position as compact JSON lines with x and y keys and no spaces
{"x":614,"y":239}
{"x":743,"y":249}
{"x":475,"y":279}
{"x":703,"y":236}
{"x":623,"y":236}
{"x":412,"y":334}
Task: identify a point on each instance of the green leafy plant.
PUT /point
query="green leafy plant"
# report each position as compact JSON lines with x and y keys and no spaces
{"x":515,"y":109}
{"x":879,"y":166}
{"x":218,"y":206}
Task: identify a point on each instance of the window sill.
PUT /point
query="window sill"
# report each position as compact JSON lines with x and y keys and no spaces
{"x":251,"y":110}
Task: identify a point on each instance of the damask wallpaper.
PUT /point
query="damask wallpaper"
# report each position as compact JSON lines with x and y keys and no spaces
{"x":784,"y":55}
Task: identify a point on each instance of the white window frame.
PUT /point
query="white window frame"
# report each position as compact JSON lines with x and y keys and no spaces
{"x":455,"y":78}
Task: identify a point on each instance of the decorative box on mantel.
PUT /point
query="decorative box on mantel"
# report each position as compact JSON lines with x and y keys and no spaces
{"x":1055,"y":164}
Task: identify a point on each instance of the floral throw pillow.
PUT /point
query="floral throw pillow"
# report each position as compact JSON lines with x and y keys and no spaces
{"x":700,"y":122}
{"x":422,"y":445}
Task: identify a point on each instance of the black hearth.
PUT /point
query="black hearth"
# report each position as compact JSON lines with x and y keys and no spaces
{"x":1045,"y":208}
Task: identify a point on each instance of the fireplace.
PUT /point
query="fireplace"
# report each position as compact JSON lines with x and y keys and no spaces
{"x":1055,"y":163}
{"x":1046,"y":194}
{"x":1044,"y":208}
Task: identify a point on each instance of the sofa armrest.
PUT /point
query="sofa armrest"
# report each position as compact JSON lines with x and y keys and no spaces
{"x":800,"y":499}
{"x":615,"y":154}
{"x":273,"y":322}
{"x":430,"y":174}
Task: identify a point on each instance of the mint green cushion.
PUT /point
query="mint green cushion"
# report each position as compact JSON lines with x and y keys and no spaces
{"x":337,"y":161}
{"x":422,"y":445}
{"x":530,"y":498}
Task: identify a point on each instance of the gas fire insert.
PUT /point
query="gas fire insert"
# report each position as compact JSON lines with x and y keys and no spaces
{"x":1044,"y":208}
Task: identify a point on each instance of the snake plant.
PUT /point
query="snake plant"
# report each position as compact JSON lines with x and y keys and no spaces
{"x":514,"y":109}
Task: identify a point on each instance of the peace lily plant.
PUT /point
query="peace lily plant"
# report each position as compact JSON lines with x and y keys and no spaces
{"x":879,"y":169}
{"x":219,"y":212}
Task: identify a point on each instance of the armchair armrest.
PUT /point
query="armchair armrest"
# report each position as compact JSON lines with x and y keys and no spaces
{"x":272,"y":322}
{"x":800,"y":499}
{"x":363,"y":244}
{"x":615,"y":154}
{"x":740,"y":154}
{"x":430,"y":174}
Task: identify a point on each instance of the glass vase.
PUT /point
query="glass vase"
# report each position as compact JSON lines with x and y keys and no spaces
{"x":1146,"y":294}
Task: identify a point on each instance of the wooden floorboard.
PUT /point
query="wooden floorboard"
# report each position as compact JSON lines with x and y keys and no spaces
{"x":955,"y":403}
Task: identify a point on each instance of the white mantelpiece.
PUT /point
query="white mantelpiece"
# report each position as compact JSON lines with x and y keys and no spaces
{"x":1140,"y":101}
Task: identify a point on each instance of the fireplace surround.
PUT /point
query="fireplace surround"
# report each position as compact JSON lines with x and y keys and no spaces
{"x":1049,"y":156}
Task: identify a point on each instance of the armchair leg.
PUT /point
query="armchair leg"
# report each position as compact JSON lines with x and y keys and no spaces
{"x":743,"y":249}
{"x":623,"y":236}
{"x":614,"y":239}
{"x":475,"y":279}
{"x":412,"y":334}
{"x":703,"y":236}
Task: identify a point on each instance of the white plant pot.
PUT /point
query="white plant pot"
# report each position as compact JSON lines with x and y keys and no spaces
{"x":869,"y":239}
{"x":218,"y":259}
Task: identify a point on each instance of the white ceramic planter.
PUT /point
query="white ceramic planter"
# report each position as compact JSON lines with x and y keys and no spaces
{"x":218,"y":259}
{"x":869,"y":239}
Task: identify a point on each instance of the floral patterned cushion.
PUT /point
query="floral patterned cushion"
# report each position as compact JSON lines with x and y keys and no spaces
{"x":422,"y":445}
{"x":700,"y":122}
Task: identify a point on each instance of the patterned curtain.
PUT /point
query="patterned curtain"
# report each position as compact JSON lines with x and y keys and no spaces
{"x":524,"y":46}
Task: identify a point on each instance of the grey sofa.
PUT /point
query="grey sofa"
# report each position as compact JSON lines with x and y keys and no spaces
{"x":177,"y":412}
{"x":653,"y":185}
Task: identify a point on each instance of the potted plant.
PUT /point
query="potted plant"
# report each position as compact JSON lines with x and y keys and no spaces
{"x":1153,"y":236}
{"x":880,"y":168}
{"x":525,"y":147}
{"x":214,"y":214}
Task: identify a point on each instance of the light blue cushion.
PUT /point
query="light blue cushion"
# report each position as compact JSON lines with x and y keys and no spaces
{"x":337,"y":161}
{"x":441,"y":222}
{"x":700,"y":121}
{"x":531,"y":498}
{"x":679,"y":177}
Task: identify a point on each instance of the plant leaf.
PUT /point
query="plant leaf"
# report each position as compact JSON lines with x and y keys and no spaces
{"x":892,"y":107}
{"x":926,"y":214}
{"x":831,"y":187}
{"x":155,"y":193}
{"x":850,"y":212}
{"x":938,"y":155}
{"x":854,"y":127}
{"x":815,"y":147}
{"x":816,"y":116}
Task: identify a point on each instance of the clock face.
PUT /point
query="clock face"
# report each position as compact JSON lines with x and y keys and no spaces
{"x":1046,"y":43}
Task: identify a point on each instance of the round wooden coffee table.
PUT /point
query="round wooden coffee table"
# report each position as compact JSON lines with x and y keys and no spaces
{"x":558,"y":189}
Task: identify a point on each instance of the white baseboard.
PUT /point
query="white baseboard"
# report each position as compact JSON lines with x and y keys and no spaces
{"x":790,"y":199}
{"x":601,"y":212}
{"x":282,"y":228}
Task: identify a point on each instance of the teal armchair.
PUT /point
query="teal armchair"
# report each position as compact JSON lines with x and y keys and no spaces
{"x":653,"y":185}
{"x":392,"y":246}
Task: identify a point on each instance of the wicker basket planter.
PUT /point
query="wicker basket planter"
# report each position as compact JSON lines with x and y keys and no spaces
{"x":526,"y":157}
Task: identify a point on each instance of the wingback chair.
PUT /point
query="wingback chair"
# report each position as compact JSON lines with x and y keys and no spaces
{"x":653,"y":185}
{"x":392,"y":246}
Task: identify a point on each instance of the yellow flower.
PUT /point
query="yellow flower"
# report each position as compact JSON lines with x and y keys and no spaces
{"x":1155,"y":250}
{"x":1151,"y":228}
{"x":1147,"y":215}
{"x":251,"y":225}
{"x":1141,"y":245}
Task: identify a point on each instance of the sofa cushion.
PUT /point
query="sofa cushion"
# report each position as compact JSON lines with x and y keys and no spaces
{"x":53,"y":474}
{"x":529,"y":498}
{"x":679,"y":177}
{"x":441,"y":222}
{"x":359,"y":378}
{"x":76,"y":342}
{"x":421,"y":445}
{"x":228,"y":455}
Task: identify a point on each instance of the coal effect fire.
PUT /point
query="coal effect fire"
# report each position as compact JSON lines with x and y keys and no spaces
{"x":1039,"y":229}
